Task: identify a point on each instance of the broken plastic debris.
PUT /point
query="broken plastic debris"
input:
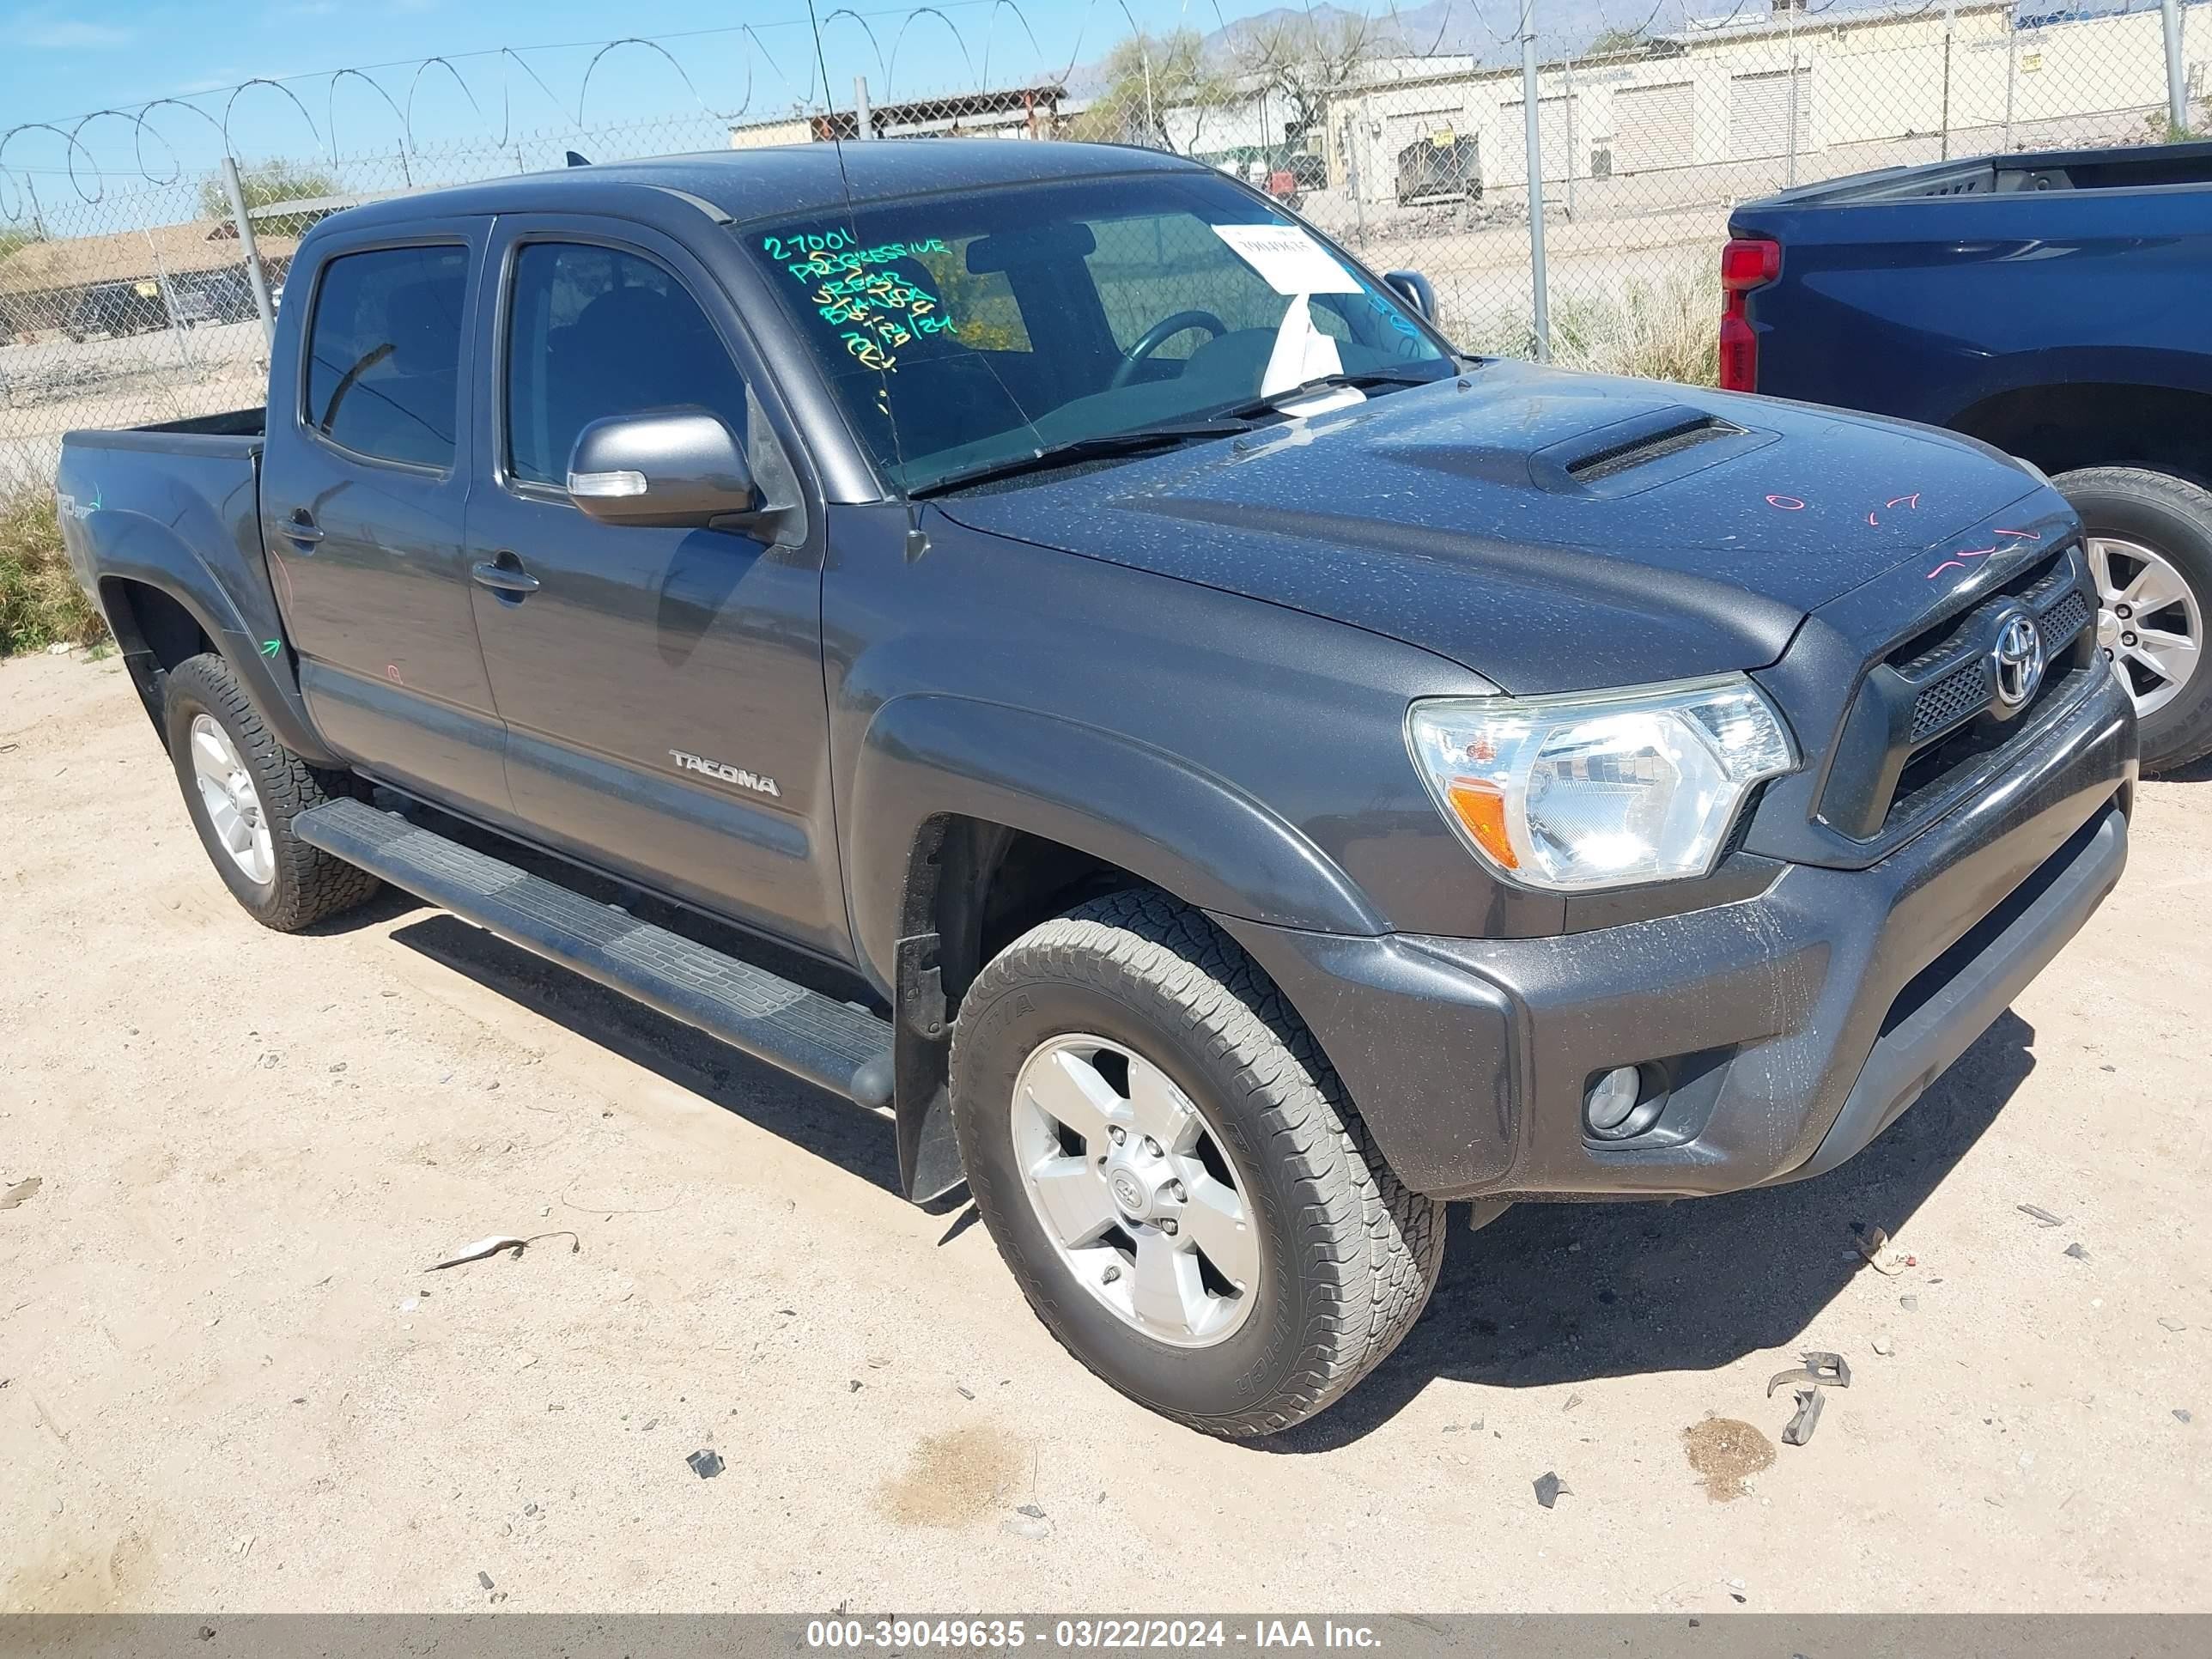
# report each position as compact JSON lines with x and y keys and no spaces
{"x":1869,"y":1241}
{"x":2181,"y":1414}
{"x":492,"y":1246}
{"x":2037,"y":1212}
{"x":484,"y":1578}
{"x":706,"y":1462}
{"x":22,"y":1190}
{"x":477,"y":1252}
{"x":2171,"y":1323}
{"x":2076,"y":1250}
{"x":1548,"y":1488}
{"x":1820,"y":1368}
{"x":1807,"y":1416}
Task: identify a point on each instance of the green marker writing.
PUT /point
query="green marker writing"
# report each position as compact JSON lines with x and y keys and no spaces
{"x":270,"y":647}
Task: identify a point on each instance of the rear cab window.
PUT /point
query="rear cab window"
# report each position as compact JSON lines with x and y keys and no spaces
{"x":384,"y":354}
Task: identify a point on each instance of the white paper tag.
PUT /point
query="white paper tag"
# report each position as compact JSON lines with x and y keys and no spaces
{"x":1301,"y":352}
{"x":1288,"y":260}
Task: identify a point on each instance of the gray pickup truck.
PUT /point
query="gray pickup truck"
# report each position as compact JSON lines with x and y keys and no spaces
{"x":1245,"y":774}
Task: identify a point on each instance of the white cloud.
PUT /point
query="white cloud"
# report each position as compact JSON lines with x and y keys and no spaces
{"x":70,"y":34}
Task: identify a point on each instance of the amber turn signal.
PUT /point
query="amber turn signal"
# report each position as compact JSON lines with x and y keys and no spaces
{"x":1482,"y":809}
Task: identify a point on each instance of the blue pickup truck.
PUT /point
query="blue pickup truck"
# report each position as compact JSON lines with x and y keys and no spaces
{"x":2057,"y":306}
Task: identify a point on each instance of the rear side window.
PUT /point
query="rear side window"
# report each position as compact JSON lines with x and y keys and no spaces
{"x":384,"y":353}
{"x":593,"y":332}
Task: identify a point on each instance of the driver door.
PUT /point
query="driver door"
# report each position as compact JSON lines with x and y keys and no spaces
{"x":661,"y":688}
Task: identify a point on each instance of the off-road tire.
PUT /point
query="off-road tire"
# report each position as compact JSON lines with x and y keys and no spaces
{"x":1349,"y":1256}
{"x":307,"y":884}
{"x":2173,"y":518}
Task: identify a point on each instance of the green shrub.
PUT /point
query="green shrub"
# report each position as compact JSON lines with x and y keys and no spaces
{"x":1663,"y":330}
{"x":41,"y":604}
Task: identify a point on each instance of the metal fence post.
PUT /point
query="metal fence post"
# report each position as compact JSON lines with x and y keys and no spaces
{"x":251,"y":250}
{"x":2177,"y":80}
{"x":864,"y":118}
{"x":2012,"y":70}
{"x":1531,"y":111}
{"x":1950,"y":19}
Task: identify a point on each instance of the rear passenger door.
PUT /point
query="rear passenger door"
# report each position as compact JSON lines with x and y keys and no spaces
{"x":363,"y":497}
{"x":661,"y":688}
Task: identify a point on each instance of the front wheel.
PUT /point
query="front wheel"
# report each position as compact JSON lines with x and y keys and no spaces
{"x":1172,"y":1171}
{"x":2149,"y":541}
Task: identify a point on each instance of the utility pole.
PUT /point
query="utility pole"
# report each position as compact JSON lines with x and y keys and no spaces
{"x":864,"y":119}
{"x":1530,"y":110}
{"x":1950,"y":17}
{"x":2177,"y":83}
{"x":251,"y":250}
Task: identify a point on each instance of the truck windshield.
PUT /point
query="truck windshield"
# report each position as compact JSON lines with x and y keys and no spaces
{"x":962,"y":330}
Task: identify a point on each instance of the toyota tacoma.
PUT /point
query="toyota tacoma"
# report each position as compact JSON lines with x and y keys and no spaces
{"x":1227,"y":774}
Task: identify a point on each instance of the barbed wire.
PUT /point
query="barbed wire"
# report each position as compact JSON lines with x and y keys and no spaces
{"x":156,"y":126}
{"x":88,"y":177}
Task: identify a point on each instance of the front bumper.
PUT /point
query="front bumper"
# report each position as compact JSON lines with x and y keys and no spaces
{"x":1793,"y":1027}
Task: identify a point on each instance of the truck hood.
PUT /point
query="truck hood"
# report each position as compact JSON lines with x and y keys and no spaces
{"x":1551,"y":532}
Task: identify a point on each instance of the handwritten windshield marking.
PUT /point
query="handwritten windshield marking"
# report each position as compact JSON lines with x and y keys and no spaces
{"x":876,"y":312}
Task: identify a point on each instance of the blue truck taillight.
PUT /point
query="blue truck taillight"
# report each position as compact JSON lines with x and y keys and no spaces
{"x":1746,"y":263}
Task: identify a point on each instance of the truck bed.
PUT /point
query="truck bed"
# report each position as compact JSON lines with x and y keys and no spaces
{"x":237,"y":432}
{"x":2152,"y":167}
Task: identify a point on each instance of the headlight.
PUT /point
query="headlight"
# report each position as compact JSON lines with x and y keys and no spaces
{"x":1599,"y":789}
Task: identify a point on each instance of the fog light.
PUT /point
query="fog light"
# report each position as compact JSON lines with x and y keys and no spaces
{"x":1612,"y":1100}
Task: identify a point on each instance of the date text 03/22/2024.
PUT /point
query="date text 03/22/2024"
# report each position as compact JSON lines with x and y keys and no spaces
{"x":1075,"y":1635}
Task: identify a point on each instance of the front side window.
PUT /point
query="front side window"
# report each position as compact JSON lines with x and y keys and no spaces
{"x":964,"y":331}
{"x":592,"y":331}
{"x":384,"y":353}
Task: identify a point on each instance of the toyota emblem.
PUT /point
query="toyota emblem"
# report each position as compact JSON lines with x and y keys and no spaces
{"x":2018,"y":659}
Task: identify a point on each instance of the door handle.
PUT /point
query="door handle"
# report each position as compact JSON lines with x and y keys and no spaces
{"x":504,"y":576}
{"x":301,"y":527}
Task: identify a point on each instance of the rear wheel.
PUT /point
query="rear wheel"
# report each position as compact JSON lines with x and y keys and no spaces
{"x":243,"y":789}
{"x":2149,"y":541}
{"x":1172,"y":1171}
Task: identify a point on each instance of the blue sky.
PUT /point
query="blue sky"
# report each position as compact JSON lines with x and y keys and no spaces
{"x":58,"y":61}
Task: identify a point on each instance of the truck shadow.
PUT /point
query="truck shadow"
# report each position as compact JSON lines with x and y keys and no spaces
{"x":1563,"y":1293}
{"x":851,"y":1137}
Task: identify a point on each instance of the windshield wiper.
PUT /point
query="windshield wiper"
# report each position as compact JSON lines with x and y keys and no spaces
{"x":1099,"y":446}
{"x":1360,"y":382}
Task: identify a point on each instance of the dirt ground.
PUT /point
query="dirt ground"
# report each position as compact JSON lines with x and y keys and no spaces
{"x":227,"y":1383}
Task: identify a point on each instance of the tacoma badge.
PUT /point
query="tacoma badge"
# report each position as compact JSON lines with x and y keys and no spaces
{"x":736,"y":775}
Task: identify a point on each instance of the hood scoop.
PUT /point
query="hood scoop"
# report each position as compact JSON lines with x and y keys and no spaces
{"x":1642,"y":452}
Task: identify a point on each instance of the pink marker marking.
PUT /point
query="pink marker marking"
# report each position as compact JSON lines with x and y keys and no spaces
{"x":1786,"y":503}
{"x":391,"y":673}
{"x":1947,"y":564}
{"x":1912,"y":501}
{"x":2024,"y":535}
{"x":1871,"y":519}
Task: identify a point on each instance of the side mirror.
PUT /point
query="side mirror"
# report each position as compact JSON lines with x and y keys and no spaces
{"x":678,"y":469}
{"x":1413,"y":289}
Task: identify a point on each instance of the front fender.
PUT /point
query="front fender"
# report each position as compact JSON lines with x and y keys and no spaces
{"x":1184,"y":829}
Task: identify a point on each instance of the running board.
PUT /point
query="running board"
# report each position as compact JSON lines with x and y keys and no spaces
{"x":840,"y":1047}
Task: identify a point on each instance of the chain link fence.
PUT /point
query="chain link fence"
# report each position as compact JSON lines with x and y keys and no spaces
{"x":1405,"y":134}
